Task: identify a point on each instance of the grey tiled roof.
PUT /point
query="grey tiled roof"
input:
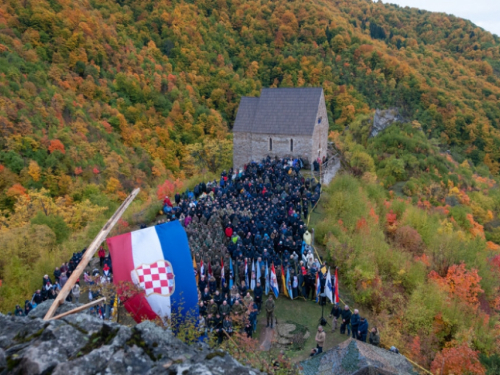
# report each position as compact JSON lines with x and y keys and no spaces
{"x":288,"y":111}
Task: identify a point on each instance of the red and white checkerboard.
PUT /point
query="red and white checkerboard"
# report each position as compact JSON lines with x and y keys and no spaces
{"x":156,"y":278}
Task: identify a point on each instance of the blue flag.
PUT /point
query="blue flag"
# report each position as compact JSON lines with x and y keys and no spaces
{"x":267,"y":279}
{"x":289,"y":283}
{"x":230,"y":273}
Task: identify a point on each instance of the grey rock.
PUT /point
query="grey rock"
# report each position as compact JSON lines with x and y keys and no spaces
{"x":3,"y":360}
{"x":80,"y":344}
{"x":385,"y":118}
{"x":41,"y":309}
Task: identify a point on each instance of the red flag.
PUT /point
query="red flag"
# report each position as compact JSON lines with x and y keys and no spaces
{"x":210,"y":269}
{"x":336,"y":294}
{"x":202,"y":268}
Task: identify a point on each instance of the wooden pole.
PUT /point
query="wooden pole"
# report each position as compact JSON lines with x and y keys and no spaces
{"x":89,"y":253}
{"x":79,"y":308}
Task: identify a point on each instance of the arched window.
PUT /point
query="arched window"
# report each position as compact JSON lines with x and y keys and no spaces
{"x":291,"y":145}
{"x":270,"y":144}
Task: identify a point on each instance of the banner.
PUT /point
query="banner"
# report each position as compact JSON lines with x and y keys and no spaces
{"x":158,"y":260}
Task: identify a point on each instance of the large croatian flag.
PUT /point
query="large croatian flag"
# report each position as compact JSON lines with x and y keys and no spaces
{"x":158,"y":260}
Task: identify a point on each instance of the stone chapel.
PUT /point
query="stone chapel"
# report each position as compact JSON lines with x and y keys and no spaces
{"x":281,"y":122}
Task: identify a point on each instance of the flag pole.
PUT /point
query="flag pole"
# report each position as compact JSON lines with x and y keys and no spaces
{"x":89,"y":253}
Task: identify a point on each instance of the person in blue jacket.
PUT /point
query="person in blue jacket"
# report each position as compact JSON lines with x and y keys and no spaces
{"x":362,"y":329}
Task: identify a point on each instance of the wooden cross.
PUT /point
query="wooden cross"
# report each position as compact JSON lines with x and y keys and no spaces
{"x":88,"y":255}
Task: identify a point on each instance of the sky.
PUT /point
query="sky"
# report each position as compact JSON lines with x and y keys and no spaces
{"x":484,"y":13}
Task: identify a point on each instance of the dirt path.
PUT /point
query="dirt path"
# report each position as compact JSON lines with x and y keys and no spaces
{"x":266,"y":338}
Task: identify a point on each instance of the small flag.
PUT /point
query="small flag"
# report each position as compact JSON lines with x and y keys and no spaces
{"x":329,"y":286}
{"x":252,"y":281}
{"x":246,"y":273}
{"x":273,"y":282}
{"x":210,"y":273}
{"x":267,"y":279}
{"x":231,"y":275}
{"x":283,"y":282}
{"x":195,"y":267}
{"x":257,"y":270}
{"x":289,"y":283}
{"x":223,"y":273}
{"x":336,"y":295}
{"x":202,"y":268}
{"x":318,"y":287}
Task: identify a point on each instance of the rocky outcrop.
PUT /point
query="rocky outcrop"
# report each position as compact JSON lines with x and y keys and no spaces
{"x":81,"y":344}
{"x":384,"y":118}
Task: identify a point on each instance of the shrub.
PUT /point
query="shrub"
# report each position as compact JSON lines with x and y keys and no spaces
{"x":409,"y":239}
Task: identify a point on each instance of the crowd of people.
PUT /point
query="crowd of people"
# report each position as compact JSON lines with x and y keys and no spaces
{"x":51,"y":286}
{"x":237,"y":228}
{"x":240,"y":225}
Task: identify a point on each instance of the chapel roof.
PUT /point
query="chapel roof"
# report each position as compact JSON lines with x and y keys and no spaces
{"x":281,"y":111}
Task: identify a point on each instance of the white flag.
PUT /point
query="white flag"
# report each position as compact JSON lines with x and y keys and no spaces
{"x":329,"y":286}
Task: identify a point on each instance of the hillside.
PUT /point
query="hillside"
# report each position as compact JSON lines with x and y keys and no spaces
{"x":415,"y":236}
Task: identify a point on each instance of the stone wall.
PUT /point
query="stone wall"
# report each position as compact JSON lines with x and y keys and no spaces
{"x":320,"y":135}
{"x":281,"y":146}
{"x":242,"y":149}
{"x":248,"y":147}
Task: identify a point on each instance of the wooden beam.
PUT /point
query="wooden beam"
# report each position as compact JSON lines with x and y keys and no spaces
{"x":79,"y":308}
{"x":89,"y":253}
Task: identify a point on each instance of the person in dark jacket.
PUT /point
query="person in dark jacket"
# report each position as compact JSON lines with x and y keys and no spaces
{"x":249,"y":329}
{"x":205,"y":296}
{"x":362,"y":329}
{"x":202,"y":284}
{"x":257,"y":295}
{"x":18,"y":311}
{"x":335,"y":314}
{"x":355,"y":320}
{"x":57,"y":274}
{"x":212,"y":285}
{"x":37,"y":297}
{"x":374,"y":337}
{"x":346,"y":321}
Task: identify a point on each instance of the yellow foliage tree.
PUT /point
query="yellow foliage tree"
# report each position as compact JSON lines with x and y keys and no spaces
{"x":34,"y":170}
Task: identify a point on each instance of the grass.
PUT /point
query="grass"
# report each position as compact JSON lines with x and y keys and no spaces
{"x":307,"y":314}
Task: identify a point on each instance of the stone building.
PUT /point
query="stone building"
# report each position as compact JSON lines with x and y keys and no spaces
{"x":281,"y":122}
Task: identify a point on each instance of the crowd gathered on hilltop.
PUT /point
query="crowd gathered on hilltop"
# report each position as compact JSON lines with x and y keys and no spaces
{"x":52,"y":285}
{"x":237,"y":227}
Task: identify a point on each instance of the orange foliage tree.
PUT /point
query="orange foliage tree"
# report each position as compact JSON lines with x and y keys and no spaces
{"x":56,"y":145}
{"x":168,"y":188}
{"x":457,"y":360}
{"x":461,"y":283}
